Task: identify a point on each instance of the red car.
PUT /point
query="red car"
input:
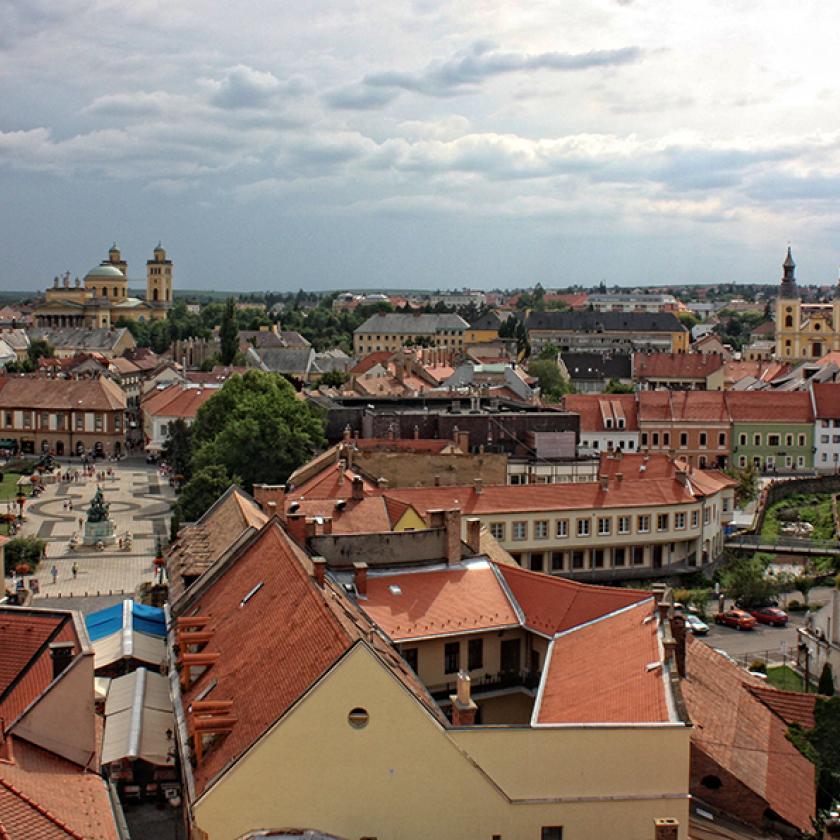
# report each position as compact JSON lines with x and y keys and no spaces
{"x":770,"y":615}
{"x":738,"y":619}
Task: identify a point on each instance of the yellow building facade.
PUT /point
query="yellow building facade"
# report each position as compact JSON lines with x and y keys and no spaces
{"x":804,"y":330}
{"x":102,"y":298}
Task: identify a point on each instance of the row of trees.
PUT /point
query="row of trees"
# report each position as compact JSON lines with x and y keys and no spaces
{"x":254,"y":430}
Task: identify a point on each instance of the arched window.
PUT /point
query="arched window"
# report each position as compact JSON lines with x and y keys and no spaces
{"x":154,"y":294}
{"x":788,"y":320}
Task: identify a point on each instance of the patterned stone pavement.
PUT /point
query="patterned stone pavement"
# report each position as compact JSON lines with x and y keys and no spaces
{"x":139,"y":502}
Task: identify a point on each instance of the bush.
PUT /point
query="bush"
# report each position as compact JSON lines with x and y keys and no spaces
{"x":795,"y":606}
{"x":23,"y":550}
{"x":758,"y":666}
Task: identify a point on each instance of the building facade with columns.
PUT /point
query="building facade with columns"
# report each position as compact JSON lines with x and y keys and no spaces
{"x":102,"y":298}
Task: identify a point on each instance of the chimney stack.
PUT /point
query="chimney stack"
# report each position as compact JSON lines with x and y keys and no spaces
{"x":326,"y":528}
{"x":7,"y":752}
{"x":264,"y":493}
{"x":360,"y":573}
{"x":382,"y":483}
{"x":436,"y":518}
{"x":62,"y":656}
{"x":478,"y":485}
{"x":319,"y":567}
{"x":452,"y":523}
{"x":358,"y":488}
{"x":604,"y":481}
{"x":474,"y":534}
{"x":271,"y":508}
{"x":347,"y":434}
{"x":666,"y":828}
{"x":678,"y":632}
{"x":463,"y":706}
{"x":296,"y":527}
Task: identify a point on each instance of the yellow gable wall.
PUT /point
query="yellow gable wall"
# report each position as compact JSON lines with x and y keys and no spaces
{"x":410,"y":521}
{"x":403,"y":776}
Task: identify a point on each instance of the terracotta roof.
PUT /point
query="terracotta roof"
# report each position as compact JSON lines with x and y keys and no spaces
{"x":422,"y":603}
{"x":827,"y":399}
{"x":369,"y":515}
{"x":741,"y":734}
{"x":380,"y":357}
{"x":330,"y":483}
{"x":551,"y":605}
{"x":124,"y":366}
{"x":592,"y":679}
{"x":45,"y":797}
{"x":682,"y":406}
{"x":177,"y":401}
{"x":304,"y":626}
{"x":770,"y":406}
{"x":764,"y":328}
{"x":790,"y":706}
{"x":675,"y":365}
{"x":61,"y":394}
{"x":595,"y":409}
{"x":764,"y":371}
{"x":829,"y":358}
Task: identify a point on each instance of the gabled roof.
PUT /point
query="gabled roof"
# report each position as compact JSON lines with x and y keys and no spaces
{"x":605,"y":321}
{"x":369,"y":515}
{"x":791,"y":706}
{"x":100,"y":394}
{"x":741,"y":733}
{"x":584,"y":366}
{"x":378,"y":357}
{"x":592,"y":678}
{"x":411,"y":323}
{"x":72,"y":338}
{"x":490,"y":320}
{"x":683,"y":406}
{"x":770,"y":406}
{"x":595,"y":409}
{"x":675,"y":365}
{"x":177,"y":400}
{"x":827,"y":399}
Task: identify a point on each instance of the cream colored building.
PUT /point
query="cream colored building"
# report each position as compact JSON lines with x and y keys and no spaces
{"x":394,"y":330}
{"x":103,"y":299}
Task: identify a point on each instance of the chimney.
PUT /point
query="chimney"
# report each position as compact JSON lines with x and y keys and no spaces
{"x":360,"y":572}
{"x":264,"y":493}
{"x":319,"y":570}
{"x":666,"y":828}
{"x":478,"y":485}
{"x":619,"y":476}
{"x":474,"y":534}
{"x":463,"y":441}
{"x":436,"y":518}
{"x":62,"y":656}
{"x":678,"y":632}
{"x":7,"y":753}
{"x":452,"y":523}
{"x":326,"y":528}
{"x":604,"y":481}
{"x":358,"y":488}
{"x":416,"y":432}
{"x":463,"y":706}
{"x":348,"y":433}
{"x":296,"y":527}
{"x":271,"y":508}
{"x":382,"y":483}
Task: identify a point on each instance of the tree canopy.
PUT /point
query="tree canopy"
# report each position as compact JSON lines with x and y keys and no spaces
{"x":553,"y":385}
{"x":199,"y":493}
{"x":229,"y":334}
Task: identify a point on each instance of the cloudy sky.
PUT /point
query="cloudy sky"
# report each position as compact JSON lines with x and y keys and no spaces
{"x":333,"y":144}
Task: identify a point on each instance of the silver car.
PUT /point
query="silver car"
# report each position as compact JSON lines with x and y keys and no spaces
{"x":695,"y":625}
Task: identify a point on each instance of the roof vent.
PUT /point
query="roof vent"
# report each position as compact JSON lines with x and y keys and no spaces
{"x":293,"y":507}
{"x":394,"y":589}
{"x":652,"y":666}
{"x":341,"y":504}
{"x":251,"y":593}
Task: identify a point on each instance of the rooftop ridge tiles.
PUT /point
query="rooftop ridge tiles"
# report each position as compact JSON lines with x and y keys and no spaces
{"x":40,"y":809}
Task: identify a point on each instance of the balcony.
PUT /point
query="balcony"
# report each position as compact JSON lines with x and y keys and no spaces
{"x":492,"y":682}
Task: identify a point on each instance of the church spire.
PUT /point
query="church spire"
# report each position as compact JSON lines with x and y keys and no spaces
{"x":788,"y":287}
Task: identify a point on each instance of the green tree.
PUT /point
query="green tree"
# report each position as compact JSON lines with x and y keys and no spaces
{"x":746,"y":490}
{"x":616,"y":387}
{"x":745,"y":582}
{"x":23,"y":550}
{"x":229,"y":334}
{"x":40,"y":348}
{"x":804,"y":584}
{"x":333,"y":378}
{"x":821,"y":745}
{"x":199,"y":493}
{"x":553,"y":385}
{"x":177,"y":450}
{"x":826,"y":683}
{"x":688,"y":319}
{"x":256,"y":427}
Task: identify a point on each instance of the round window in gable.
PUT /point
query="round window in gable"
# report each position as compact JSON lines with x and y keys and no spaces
{"x":711,"y":782}
{"x":358,"y":718}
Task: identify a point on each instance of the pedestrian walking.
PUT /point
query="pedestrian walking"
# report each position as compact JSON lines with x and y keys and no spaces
{"x":81,"y":521}
{"x":75,"y":570}
{"x":69,"y":504}
{"x":54,"y":573}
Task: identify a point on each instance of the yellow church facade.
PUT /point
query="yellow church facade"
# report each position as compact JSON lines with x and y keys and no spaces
{"x":804,"y":330}
{"x":102,"y":298}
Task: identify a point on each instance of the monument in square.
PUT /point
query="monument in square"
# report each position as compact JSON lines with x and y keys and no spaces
{"x":99,"y":527}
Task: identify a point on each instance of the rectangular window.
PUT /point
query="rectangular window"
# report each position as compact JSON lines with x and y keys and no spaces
{"x":722,"y":440}
{"x":541,"y":529}
{"x":618,"y":556}
{"x":725,"y":503}
{"x":756,"y":440}
{"x":556,"y":561}
{"x":117,"y":423}
{"x":788,"y":440}
{"x":27,"y":420}
{"x":598,"y":558}
{"x":59,"y":422}
{"x":644,"y":438}
{"x":742,"y":460}
{"x":656,"y":438}
{"x":577,"y":559}
{"x":583,"y":527}
{"x":774,"y":440}
{"x":604,"y":526}
{"x":451,"y":657}
{"x":643,"y":524}
{"x":825,"y":438}
{"x":679,"y":521}
{"x":562,"y":528}
{"x":706,"y":515}
{"x":9,"y":419}
{"x":520,"y":530}
{"x":551,"y":832}
{"x":638,"y":555}
{"x":623,"y":524}
{"x":410,"y":656}
{"x":742,"y":440}
{"x":800,"y":440}
{"x":703,"y":440}
{"x":80,"y":422}
{"x":695,"y":518}
{"x":683,"y":440}
{"x":662,"y":521}
{"x":497,"y":529}
{"x":666,"y":438}
{"x":97,"y":423}
{"x":475,"y":654}
{"x":800,"y":460}
{"x":45,"y":420}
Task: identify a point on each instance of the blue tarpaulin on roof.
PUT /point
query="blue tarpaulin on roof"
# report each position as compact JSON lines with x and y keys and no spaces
{"x":144,"y":619}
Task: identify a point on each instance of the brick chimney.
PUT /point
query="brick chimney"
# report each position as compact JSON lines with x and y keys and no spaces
{"x":382,"y":483}
{"x":604,"y":481}
{"x":478,"y":486}
{"x":436,"y":518}
{"x":463,"y":706}
{"x":264,"y":493}
{"x":666,"y":828}
{"x":678,"y":632}
{"x":347,"y":433}
{"x":296,"y":527}
{"x":62,"y":655}
{"x":319,"y":570}
{"x":452,"y":523}
{"x":473,"y":539}
{"x":358,"y":488}
{"x":327,"y":525}
{"x":360,"y":574}
{"x":7,"y":753}
{"x":271,"y":508}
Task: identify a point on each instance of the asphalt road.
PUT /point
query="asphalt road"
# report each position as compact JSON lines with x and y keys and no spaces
{"x":761,"y":638}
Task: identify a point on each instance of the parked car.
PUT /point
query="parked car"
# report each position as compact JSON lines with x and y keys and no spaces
{"x":770,"y":615}
{"x":695,"y":625}
{"x":739,"y":619}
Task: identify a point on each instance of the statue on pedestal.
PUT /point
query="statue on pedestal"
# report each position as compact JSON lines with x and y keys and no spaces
{"x":99,"y":529}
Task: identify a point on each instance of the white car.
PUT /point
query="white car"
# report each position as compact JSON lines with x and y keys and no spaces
{"x":695,"y":625}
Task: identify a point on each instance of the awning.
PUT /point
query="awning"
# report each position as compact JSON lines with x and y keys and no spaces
{"x":140,"y":617}
{"x":138,"y":714}
{"x":100,"y":687}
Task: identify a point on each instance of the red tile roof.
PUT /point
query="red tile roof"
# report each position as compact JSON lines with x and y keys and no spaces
{"x":770,"y":406}
{"x":595,"y":408}
{"x":592,"y":679}
{"x":380,"y":357}
{"x":675,"y":365}
{"x":370,"y":515}
{"x":683,"y":406}
{"x":741,"y":734}
{"x":418,"y":604}
{"x":827,"y":399}
{"x":551,"y":605}
{"x":177,"y":401}
{"x":329,"y":483}
{"x":790,"y":706}
{"x":61,"y":394}
{"x":766,"y":371}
